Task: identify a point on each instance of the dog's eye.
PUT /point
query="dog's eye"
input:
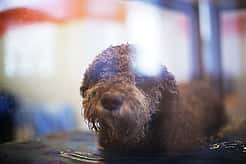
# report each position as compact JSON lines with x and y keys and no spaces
{"x":93,"y":93}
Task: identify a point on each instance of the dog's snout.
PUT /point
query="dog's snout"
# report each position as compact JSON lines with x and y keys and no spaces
{"x":111,"y":102}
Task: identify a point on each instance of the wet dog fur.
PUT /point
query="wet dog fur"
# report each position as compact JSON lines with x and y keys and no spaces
{"x":132,"y":112}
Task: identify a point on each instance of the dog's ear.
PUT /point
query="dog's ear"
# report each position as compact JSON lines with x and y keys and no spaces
{"x":85,"y":83}
{"x":168,"y":93}
{"x":91,"y":76}
{"x":169,"y":84}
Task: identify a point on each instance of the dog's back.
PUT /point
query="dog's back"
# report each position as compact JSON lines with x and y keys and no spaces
{"x":197,"y":116}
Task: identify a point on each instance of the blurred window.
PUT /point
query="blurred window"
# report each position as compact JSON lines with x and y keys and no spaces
{"x":29,"y":50}
{"x":162,"y":36}
{"x":233,"y":30}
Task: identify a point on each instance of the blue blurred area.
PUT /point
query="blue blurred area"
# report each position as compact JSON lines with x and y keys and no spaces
{"x":45,"y":119}
{"x":19,"y":119}
{"x":8,"y":107}
{"x":8,"y":103}
{"x":38,"y":119}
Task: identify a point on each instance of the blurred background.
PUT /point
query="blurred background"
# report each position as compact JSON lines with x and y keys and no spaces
{"x":45,"y":47}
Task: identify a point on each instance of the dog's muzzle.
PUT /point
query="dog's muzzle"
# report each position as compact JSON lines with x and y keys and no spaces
{"x":111,"y":102}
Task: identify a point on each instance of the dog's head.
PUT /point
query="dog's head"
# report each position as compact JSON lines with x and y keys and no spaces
{"x":118,"y":101}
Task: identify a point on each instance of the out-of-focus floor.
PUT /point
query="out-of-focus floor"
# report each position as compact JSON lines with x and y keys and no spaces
{"x":80,"y":147}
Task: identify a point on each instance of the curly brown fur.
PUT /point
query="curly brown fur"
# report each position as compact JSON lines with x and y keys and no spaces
{"x":151,"y":114}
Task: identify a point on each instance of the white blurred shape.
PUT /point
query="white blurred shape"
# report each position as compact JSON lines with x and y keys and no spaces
{"x":147,"y":64}
{"x":7,"y":4}
{"x":102,"y":7}
{"x":29,"y":50}
{"x":145,"y":32}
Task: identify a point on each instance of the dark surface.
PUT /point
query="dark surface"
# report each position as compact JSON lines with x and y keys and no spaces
{"x":77,"y":147}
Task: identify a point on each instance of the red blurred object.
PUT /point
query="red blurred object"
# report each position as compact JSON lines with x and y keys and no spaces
{"x":63,"y":11}
{"x":20,"y":16}
{"x":234,"y":24}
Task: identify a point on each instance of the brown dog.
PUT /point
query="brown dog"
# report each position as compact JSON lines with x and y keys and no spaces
{"x":132,"y":112}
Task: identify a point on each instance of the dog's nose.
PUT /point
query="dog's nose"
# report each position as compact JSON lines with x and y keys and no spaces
{"x":111,"y":102}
